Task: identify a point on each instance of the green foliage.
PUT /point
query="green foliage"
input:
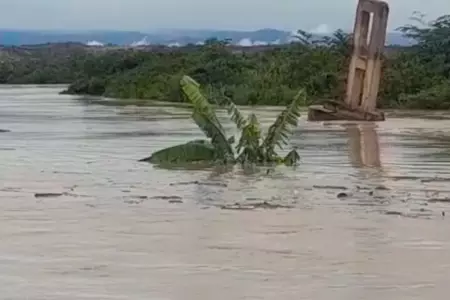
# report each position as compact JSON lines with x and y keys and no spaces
{"x":251,"y":148}
{"x":436,"y":97}
{"x":204,"y":116}
{"x":287,"y":120}
{"x":291,"y":158}
{"x":191,"y":152}
{"x":413,"y":77}
{"x":235,"y":114}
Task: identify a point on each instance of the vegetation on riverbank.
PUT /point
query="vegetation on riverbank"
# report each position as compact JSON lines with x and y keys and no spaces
{"x":413,"y":77}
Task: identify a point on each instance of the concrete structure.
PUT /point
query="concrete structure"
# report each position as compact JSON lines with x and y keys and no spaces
{"x":369,"y":37}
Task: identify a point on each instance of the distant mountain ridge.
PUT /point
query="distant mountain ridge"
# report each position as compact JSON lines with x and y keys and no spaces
{"x":162,"y":37}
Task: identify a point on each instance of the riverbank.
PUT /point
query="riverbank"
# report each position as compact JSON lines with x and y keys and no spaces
{"x":270,"y":77}
{"x":416,"y":77}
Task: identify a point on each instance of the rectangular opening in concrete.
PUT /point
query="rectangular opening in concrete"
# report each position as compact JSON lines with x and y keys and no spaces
{"x":358,"y":87}
{"x":364,"y":37}
{"x":370,"y":28}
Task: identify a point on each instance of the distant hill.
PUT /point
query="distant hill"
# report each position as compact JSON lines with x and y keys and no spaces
{"x":163,"y":37}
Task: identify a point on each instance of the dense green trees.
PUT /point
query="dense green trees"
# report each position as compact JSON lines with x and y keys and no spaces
{"x":413,"y":77}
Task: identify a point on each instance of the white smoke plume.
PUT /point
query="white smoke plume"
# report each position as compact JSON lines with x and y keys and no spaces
{"x":94,"y":44}
{"x":142,"y":42}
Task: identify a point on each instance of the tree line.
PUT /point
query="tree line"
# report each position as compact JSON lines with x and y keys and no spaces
{"x":416,"y":76}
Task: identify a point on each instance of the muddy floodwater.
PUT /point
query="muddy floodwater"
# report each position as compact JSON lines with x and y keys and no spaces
{"x":365,"y":216}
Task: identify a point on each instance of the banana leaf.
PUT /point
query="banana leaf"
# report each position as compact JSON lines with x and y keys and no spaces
{"x":292,"y":158}
{"x":191,"y":90}
{"x":233,"y":111}
{"x":206,"y":119}
{"x":249,"y":142}
{"x":278,"y":133}
{"x":194,"y":151}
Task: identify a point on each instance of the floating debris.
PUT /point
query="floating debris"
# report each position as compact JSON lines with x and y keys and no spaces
{"x":134,"y":201}
{"x":237,"y":206}
{"x":435,"y":179}
{"x":48,"y":195}
{"x":382,"y":188}
{"x":439,"y":200}
{"x":414,"y":214}
{"x":267,"y":205}
{"x":261,"y":205}
{"x":330,"y":187}
{"x":393,"y":213}
{"x":196,"y":182}
{"x":362,"y":188}
{"x":398,"y":178}
{"x":139,"y":197}
{"x":342,"y":195}
{"x":176,"y":201}
{"x":421,"y":210}
{"x":168,"y":198}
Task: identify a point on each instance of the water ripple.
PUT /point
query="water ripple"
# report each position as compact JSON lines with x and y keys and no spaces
{"x":363,"y":216}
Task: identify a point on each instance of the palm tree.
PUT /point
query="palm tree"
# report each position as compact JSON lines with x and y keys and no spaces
{"x":251,"y":148}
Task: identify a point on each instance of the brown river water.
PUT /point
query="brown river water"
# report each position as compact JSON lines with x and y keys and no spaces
{"x":362,"y":217}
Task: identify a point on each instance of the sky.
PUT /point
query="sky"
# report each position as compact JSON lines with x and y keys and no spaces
{"x":145,"y":15}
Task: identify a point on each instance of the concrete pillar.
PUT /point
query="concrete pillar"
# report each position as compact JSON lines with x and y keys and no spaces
{"x":369,"y":37}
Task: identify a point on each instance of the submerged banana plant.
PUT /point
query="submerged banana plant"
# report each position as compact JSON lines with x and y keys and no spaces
{"x":251,"y":148}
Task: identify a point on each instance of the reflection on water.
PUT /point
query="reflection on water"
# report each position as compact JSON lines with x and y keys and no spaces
{"x":364,"y":146}
{"x":360,"y":218}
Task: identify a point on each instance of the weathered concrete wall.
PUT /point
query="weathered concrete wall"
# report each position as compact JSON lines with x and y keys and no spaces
{"x":365,"y":66}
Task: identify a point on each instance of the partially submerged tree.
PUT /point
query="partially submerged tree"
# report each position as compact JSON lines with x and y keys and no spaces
{"x":252,"y":147}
